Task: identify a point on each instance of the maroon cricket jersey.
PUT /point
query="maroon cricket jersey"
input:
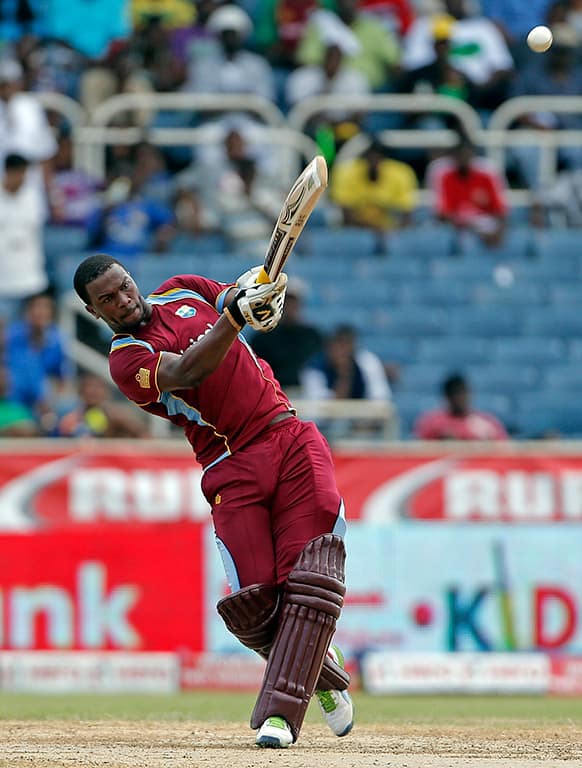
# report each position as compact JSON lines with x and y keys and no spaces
{"x":230,"y":407}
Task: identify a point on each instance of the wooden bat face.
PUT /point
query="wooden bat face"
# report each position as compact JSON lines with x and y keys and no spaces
{"x":296,"y":209}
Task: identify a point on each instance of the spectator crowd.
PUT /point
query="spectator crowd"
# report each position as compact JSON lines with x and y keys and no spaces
{"x":229,"y":186}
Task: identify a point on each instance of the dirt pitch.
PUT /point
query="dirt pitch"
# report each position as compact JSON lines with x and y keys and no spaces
{"x":148,"y":744}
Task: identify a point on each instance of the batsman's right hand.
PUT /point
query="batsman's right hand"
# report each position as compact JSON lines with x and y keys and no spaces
{"x":261,"y":305}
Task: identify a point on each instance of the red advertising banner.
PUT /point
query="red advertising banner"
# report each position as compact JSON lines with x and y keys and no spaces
{"x":138,"y":589}
{"x":60,"y":485}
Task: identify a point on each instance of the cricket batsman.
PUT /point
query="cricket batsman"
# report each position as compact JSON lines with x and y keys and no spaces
{"x":268,"y":476}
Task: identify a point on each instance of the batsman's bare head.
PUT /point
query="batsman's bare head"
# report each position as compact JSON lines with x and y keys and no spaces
{"x":110,"y":293}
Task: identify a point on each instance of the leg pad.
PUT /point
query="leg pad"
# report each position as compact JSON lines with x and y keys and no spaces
{"x":252,"y":615}
{"x":312,"y":602}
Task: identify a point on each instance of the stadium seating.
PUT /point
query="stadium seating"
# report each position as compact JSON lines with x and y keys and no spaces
{"x":508,"y":319}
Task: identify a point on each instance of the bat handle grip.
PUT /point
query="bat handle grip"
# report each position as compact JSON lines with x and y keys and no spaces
{"x":263,"y":277}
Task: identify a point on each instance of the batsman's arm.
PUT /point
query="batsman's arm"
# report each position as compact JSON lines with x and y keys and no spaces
{"x":201,"y":358}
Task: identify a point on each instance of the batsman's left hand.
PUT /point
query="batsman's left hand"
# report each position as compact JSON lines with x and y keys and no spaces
{"x":261,"y":304}
{"x":248,"y":278}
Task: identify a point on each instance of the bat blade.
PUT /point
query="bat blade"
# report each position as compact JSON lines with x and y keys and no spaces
{"x":298,"y":205}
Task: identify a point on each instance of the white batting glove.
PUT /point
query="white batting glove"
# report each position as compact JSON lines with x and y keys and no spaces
{"x":261,"y":305}
{"x":248,"y":278}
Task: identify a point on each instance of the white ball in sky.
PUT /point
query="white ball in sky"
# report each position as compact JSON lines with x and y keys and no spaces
{"x":540,"y":39}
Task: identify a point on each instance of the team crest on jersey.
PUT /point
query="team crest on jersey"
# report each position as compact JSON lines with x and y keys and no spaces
{"x":143,"y":378}
{"x":185,"y":311}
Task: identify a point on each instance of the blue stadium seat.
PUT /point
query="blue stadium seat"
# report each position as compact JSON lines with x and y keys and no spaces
{"x":519,"y":292}
{"x":442,"y":293}
{"x":504,"y":378}
{"x":555,"y":244}
{"x":424,"y":378}
{"x":517,"y":244}
{"x":564,"y":378}
{"x":202,"y":245}
{"x":461,"y":268}
{"x":352,"y":242}
{"x":484,"y":321}
{"x":388,"y":348}
{"x":385,"y":268}
{"x":539,"y":413}
{"x":410,"y":406}
{"x":434,"y":241}
{"x":565,"y":293}
{"x":414,"y":320}
{"x":529,"y":350}
{"x":65,"y":267}
{"x":455,"y":352}
{"x":564,"y":321}
{"x":60,"y":239}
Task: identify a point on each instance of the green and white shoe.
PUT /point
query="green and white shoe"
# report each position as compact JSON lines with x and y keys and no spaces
{"x":336,"y":706}
{"x":274,"y":733}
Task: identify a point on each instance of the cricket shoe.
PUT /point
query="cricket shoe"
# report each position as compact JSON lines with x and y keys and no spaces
{"x":274,"y":733}
{"x":336,"y":706}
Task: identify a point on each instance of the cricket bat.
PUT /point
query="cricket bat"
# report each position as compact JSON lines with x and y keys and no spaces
{"x":301,"y":200}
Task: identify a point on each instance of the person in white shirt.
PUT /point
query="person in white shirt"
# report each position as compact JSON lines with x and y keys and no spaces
{"x":477,"y":49}
{"x":24,"y":128}
{"x":22,"y":260}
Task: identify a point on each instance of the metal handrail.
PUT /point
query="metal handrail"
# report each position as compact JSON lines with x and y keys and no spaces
{"x":91,"y":141}
{"x":300,"y":115}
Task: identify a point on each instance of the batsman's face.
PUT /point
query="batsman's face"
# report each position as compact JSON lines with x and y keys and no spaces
{"x":115,"y":298}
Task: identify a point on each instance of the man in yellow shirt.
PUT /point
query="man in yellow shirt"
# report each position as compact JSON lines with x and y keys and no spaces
{"x":374,"y":190}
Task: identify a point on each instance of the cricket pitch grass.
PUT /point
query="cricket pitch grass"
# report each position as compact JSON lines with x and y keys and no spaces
{"x":210,"y":730}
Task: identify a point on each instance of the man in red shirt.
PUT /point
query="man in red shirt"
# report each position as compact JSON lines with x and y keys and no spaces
{"x":469,"y":193}
{"x":277,"y":513}
{"x":457,"y":420}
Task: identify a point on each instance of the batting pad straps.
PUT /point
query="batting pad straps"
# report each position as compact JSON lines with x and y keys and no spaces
{"x":312,"y":603}
{"x":251,"y":614}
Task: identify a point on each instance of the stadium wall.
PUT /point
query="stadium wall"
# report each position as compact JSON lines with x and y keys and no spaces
{"x":463,"y":565}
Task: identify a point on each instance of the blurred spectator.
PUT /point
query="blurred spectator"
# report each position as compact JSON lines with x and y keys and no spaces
{"x":74,"y":195}
{"x":54,"y":65}
{"x":35,"y":356}
{"x":457,"y":420}
{"x":556,"y":73}
{"x":248,"y":206}
{"x":22,"y":19}
{"x":16,"y":420}
{"x":280,"y":25}
{"x":231,"y":68}
{"x":173,"y":14}
{"x":151,"y":174}
{"x":377,"y":53}
{"x":441,"y":75}
{"x":24,"y":128}
{"x":90,"y":27}
{"x":345,"y":371}
{"x":95,"y":413}
{"x":22,"y":258}
{"x":374,"y":190}
{"x":130,"y":222}
{"x":122,"y":71}
{"x":332,"y":77}
{"x":195,"y":42}
{"x":478,"y":50}
{"x":293,"y":343}
{"x":469,"y":193}
{"x":559,"y":204}
{"x":396,"y":15}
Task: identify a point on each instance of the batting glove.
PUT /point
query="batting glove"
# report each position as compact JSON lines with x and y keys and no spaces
{"x":261,"y":305}
{"x":248,"y":278}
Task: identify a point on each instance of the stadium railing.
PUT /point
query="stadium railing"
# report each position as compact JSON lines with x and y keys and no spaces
{"x":93,"y":138}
